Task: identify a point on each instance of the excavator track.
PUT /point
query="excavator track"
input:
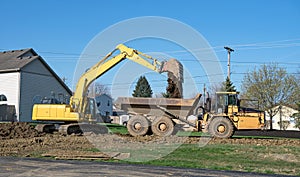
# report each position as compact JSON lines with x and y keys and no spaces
{"x":45,"y":128}
{"x":80,"y":128}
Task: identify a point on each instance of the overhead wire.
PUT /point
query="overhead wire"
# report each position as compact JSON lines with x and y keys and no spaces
{"x":70,"y":57}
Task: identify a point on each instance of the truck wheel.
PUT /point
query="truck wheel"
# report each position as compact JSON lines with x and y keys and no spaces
{"x":220,"y":127}
{"x":138,"y":125}
{"x":162,"y":126}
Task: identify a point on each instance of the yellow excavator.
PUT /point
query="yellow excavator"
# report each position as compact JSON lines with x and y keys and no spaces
{"x":80,"y":114}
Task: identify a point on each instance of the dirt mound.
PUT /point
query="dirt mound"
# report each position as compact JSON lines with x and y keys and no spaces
{"x":17,"y":130}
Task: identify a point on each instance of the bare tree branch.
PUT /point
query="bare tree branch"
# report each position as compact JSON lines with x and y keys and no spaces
{"x":272,"y":86}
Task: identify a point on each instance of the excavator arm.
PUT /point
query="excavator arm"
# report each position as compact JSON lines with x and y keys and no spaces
{"x":82,"y":108}
{"x":79,"y":99}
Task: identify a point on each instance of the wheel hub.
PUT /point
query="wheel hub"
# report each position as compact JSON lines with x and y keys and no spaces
{"x":162,"y":127}
{"x":137,"y":126}
{"x":221,"y":128}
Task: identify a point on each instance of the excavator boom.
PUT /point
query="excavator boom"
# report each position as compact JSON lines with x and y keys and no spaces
{"x":79,"y":102}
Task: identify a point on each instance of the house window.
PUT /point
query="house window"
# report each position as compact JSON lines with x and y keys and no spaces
{"x":3,"y":97}
{"x":292,"y":120}
{"x":108,"y":103}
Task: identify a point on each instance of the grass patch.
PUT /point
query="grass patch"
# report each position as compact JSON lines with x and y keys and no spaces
{"x":247,"y":158}
{"x":93,"y":150}
{"x":117,"y":129}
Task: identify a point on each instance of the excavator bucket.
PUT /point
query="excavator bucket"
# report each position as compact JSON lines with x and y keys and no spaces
{"x":175,"y":67}
{"x":175,"y":77}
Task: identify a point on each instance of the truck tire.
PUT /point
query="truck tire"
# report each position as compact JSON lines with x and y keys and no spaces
{"x":220,"y":127}
{"x":138,"y":125}
{"x":162,"y":126}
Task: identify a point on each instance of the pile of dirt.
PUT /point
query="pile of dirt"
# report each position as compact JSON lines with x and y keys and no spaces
{"x":17,"y":130}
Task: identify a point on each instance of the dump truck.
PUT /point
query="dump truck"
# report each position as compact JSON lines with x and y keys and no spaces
{"x":165,"y":116}
{"x":80,"y":114}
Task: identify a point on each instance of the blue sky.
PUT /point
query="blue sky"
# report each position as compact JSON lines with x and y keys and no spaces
{"x":260,"y":31}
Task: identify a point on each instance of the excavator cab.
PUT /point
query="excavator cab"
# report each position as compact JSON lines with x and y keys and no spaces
{"x":90,"y":113}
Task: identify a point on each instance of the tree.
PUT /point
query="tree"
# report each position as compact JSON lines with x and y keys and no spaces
{"x":272,"y":86}
{"x":101,"y":89}
{"x":165,"y":94}
{"x":297,"y":117}
{"x":142,"y":88}
{"x":96,"y":89}
{"x":228,"y":86}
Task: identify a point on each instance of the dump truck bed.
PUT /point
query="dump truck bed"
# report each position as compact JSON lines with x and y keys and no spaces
{"x":158,"y":106}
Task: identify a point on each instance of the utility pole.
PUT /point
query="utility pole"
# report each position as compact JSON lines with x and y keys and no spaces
{"x":229,"y":50}
{"x":280,"y":117}
{"x":204,"y":91}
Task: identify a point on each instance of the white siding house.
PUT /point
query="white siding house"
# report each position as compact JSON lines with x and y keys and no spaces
{"x":24,"y":76}
{"x":288,"y":122}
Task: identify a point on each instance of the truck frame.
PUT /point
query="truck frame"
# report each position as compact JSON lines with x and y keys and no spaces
{"x":161,"y":116}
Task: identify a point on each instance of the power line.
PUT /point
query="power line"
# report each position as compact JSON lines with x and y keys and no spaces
{"x":278,"y":43}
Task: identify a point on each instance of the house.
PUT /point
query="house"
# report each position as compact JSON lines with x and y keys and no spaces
{"x":25,"y":79}
{"x":104,"y":104}
{"x":285,"y":113}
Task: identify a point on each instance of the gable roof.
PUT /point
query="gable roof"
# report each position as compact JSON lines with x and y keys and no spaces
{"x":15,"y":60}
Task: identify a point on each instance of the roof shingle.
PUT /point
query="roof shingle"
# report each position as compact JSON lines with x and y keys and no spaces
{"x":14,"y":60}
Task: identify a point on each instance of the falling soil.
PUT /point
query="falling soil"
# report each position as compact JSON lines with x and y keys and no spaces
{"x":173,"y":89}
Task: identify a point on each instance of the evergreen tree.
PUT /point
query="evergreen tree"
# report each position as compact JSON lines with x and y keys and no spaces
{"x":228,"y":86}
{"x":142,"y":88}
{"x":165,"y":95}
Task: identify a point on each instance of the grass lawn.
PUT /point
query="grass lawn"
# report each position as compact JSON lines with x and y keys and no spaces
{"x":238,"y":157}
{"x":248,"y":158}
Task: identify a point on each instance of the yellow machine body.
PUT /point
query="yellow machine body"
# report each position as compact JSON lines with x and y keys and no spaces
{"x":54,"y":112}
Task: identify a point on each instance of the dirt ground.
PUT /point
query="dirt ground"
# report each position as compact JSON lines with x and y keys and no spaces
{"x":21,"y":139}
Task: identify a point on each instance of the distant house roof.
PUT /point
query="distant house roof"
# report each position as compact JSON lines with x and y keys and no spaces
{"x":104,"y":95}
{"x":15,"y":60}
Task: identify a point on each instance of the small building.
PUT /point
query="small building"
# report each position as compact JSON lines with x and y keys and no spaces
{"x":104,"y":104}
{"x":284,"y":115}
{"x":25,"y":79}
